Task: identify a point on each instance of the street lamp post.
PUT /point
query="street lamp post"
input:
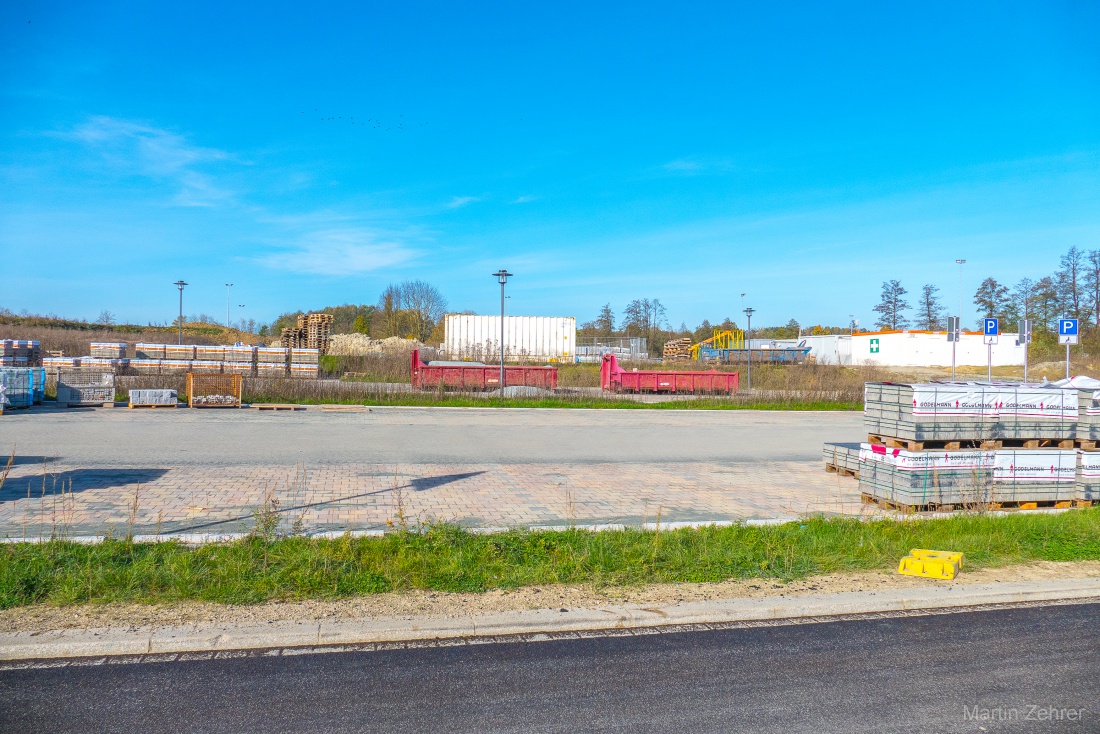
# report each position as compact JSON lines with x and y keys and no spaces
{"x":955,"y":341}
{"x":748,"y":342}
{"x":241,"y":306}
{"x":180,"y":284}
{"x":502,"y":276}
{"x":228,"y":291}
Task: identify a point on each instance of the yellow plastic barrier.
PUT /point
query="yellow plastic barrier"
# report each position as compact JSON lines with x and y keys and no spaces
{"x":931,"y":564}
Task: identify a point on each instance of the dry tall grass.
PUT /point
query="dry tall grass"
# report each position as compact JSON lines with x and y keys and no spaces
{"x":76,"y":342}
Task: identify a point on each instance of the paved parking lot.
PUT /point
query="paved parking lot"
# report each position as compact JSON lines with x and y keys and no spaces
{"x":88,"y":472}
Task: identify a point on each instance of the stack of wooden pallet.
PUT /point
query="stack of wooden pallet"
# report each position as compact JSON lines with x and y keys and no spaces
{"x":677,"y":350}
{"x":318,"y":327}
{"x":312,"y":332}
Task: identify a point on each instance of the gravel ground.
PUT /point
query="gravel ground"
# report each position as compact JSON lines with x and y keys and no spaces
{"x":41,"y":618}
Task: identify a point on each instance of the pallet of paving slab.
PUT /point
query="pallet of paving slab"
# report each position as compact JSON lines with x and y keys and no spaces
{"x":991,"y":444}
{"x":842,"y":471}
{"x":277,"y":406}
{"x":154,"y":405}
{"x":887,"y":504}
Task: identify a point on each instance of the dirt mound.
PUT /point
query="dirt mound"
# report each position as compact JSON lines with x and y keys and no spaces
{"x":353,"y":345}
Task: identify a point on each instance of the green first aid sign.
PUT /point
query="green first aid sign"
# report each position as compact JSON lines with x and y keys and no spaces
{"x":874,"y":346}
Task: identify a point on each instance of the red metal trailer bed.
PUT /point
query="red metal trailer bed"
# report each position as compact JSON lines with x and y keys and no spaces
{"x":480,"y":376}
{"x":615,"y":379}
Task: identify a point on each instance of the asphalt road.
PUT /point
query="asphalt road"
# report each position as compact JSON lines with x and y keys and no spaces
{"x":918,"y":674}
{"x":122,"y":437}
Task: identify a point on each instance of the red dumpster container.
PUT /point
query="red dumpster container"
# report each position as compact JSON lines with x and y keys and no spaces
{"x":615,"y":379}
{"x":479,"y":376}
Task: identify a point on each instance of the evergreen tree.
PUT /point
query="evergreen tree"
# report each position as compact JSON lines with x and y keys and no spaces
{"x":931,"y":309}
{"x":891,"y":306}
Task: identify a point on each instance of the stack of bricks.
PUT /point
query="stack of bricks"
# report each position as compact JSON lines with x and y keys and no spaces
{"x":20,"y":353}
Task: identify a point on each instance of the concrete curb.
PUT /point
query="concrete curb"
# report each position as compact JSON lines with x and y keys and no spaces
{"x":222,"y":640}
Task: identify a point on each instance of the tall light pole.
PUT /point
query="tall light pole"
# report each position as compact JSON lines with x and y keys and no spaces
{"x":955,"y":341}
{"x":502,"y":276}
{"x":228,"y":290}
{"x":748,"y":341}
{"x":180,"y":284}
{"x":241,"y":306}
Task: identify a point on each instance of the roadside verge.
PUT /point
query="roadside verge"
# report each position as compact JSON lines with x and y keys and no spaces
{"x":206,"y":640}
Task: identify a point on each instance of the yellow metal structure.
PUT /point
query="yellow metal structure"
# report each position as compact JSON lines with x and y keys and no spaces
{"x":722,"y":339}
{"x":931,"y":564}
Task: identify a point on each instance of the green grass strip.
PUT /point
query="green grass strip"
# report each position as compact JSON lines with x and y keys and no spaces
{"x":448,"y":558}
{"x":432,"y":400}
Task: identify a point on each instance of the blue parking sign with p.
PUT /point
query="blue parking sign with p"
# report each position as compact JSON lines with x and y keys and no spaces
{"x":1067,"y":327}
{"x":992,"y":327}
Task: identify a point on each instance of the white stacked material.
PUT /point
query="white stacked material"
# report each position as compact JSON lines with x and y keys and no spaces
{"x":209,"y":353}
{"x":964,"y":411}
{"x":304,"y":370}
{"x":149,"y":351}
{"x":305,"y":356}
{"x":240,"y":354}
{"x":153,"y":397}
{"x":920,"y":478}
{"x":146,"y":366}
{"x":179,"y":351}
{"x":109,"y":350}
{"x":272,"y":355}
{"x":103,"y":363}
{"x":174,"y":366}
{"x":60,"y":362}
{"x":201,"y":365}
{"x":271,"y":369}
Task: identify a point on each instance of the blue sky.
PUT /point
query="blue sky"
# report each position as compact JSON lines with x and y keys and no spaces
{"x":799,"y":153}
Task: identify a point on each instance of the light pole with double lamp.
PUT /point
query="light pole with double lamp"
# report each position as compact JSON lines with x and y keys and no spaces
{"x":180,"y":284}
{"x":502,"y":277}
{"x":748,"y":342}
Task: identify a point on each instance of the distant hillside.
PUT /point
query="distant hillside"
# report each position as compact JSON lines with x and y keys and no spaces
{"x":73,"y":336}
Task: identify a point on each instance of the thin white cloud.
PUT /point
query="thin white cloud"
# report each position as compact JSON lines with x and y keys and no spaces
{"x":699,"y":166}
{"x":461,"y":201}
{"x":344,"y":251}
{"x":524,"y":199}
{"x":142,"y":149}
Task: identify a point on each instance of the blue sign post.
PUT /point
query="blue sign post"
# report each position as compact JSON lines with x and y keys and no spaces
{"x":1067,"y":334}
{"x":991,"y":328}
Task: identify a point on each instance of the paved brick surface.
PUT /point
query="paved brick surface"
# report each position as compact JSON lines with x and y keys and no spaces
{"x":119,"y":471}
{"x":70,"y":500}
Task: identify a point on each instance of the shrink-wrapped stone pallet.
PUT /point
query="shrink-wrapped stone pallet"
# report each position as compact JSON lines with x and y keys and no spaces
{"x":960,"y":444}
{"x":970,"y":412}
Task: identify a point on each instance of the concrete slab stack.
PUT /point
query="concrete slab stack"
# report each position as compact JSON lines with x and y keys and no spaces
{"x":969,"y":411}
{"x":108,"y":350}
{"x":966,"y":444}
{"x":304,"y":362}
